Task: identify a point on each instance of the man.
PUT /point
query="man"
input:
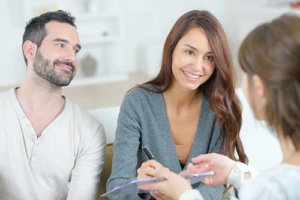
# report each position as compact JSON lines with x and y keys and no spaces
{"x":49,"y":147}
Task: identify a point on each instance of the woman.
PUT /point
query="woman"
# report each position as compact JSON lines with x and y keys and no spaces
{"x":189,"y":108}
{"x":269,"y":57}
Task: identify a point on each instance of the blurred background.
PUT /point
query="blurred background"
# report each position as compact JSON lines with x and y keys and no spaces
{"x":122,"y":44}
{"x":122,"y":40}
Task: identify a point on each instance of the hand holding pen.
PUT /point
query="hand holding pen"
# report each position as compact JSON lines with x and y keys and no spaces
{"x":148,"y":169}
{"x":193,"y":177}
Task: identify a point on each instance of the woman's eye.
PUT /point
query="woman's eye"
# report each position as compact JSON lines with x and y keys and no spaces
{"x":210,"y":58}
{"x":189,"y":52}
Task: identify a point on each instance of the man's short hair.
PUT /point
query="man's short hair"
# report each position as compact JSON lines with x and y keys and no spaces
{"x":35,"y":30}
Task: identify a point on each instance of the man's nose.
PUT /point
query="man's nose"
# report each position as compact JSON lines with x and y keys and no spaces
{"x":71,"y":56}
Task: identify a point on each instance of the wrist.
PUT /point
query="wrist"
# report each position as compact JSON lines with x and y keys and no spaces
{"x":183,"y":189}
{"x":190,"y":194}
{"x":240,"y":174}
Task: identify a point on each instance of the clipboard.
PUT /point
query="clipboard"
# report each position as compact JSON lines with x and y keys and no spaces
{"x":131,"y":186}
{"x":198,"y":177}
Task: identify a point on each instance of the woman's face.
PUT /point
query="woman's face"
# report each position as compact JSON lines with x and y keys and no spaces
{"x":192,"y":60}
{"x":245,"y":85}
{"x":254,"y":94}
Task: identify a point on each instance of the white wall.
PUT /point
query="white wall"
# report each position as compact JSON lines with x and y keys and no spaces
{"x":146,"y":24}
{"x":11,"y":61}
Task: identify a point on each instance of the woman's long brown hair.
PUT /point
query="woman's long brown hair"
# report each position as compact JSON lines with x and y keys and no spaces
{"x":219,"y":89}
{"x":272,"y":51}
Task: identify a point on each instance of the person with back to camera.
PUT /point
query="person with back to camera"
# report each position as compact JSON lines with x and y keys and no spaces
{"x":49,"y":147}
{"x":269,"y":57}
{"x":189,"y":108}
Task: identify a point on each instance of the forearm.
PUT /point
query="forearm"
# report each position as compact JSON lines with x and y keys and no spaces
{"x":123,"y":170}
{"x":85,"y":176}
{"x":126,"y":144}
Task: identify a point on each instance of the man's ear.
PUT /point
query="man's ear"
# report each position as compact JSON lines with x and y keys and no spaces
{"x":259,"y":86}
{"x":29,"y":49}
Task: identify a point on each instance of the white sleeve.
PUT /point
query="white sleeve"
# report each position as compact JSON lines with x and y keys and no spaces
{"x":240,"y":174}
{"x":191,"y":195}
{"x":260,"y":188}
{"x":86,"y":173}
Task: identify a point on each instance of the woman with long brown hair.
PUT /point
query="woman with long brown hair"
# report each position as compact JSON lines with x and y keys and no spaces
{"x":189,"y":108}
{"x":269,"y":57}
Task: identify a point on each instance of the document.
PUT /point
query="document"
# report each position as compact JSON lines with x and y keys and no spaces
{"x":131,"y":186}
{"x":198,"y":177}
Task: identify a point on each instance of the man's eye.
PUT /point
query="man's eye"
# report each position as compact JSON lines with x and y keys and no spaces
{"x":62,"y":45}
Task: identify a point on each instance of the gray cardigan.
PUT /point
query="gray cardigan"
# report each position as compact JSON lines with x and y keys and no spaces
{"x":143,"y":120}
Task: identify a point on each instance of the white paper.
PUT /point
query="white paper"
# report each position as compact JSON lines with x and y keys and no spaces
{"x":131,"y":187}
{"x":197,"y":177}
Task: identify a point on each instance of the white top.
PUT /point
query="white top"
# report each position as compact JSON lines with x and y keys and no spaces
{"x":281,"y":182}
{"x":191,"y":195}
{"x":65,"y":162}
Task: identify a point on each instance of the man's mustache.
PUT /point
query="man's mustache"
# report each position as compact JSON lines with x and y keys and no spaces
{"x":65,"y":63}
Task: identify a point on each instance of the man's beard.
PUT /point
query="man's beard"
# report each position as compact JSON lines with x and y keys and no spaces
{"x":46,"y":70}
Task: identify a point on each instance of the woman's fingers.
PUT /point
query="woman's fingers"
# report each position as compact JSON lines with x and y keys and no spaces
{"x":204,"y":158}
{"x":151,"y":163}
{"x":150,"y":169}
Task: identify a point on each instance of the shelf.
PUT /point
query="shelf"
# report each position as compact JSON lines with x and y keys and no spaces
{"x":98,"y":80}
{"x":97,"y":39}
{"x":265,"y":13}
{"x":95,"y":29}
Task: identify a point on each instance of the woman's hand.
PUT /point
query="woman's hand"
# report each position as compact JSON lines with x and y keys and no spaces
{"x":148,"y":170}
{"x":170,"y":188}
{"x":221,"y":165}
{"x":174,"y":185}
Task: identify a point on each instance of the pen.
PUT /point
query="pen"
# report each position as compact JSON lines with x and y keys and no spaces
{"x":147,"y":152}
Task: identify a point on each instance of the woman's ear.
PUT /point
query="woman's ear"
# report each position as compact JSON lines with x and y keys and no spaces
{"x":259,"y":86}
{"x":29,"y":49}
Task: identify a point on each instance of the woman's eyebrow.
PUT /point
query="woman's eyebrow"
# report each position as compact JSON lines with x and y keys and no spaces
{"x":190,"y":46}
{"x":195,"y":49}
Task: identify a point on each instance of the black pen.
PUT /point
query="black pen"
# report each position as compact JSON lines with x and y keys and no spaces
{"x":147,"y":152}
